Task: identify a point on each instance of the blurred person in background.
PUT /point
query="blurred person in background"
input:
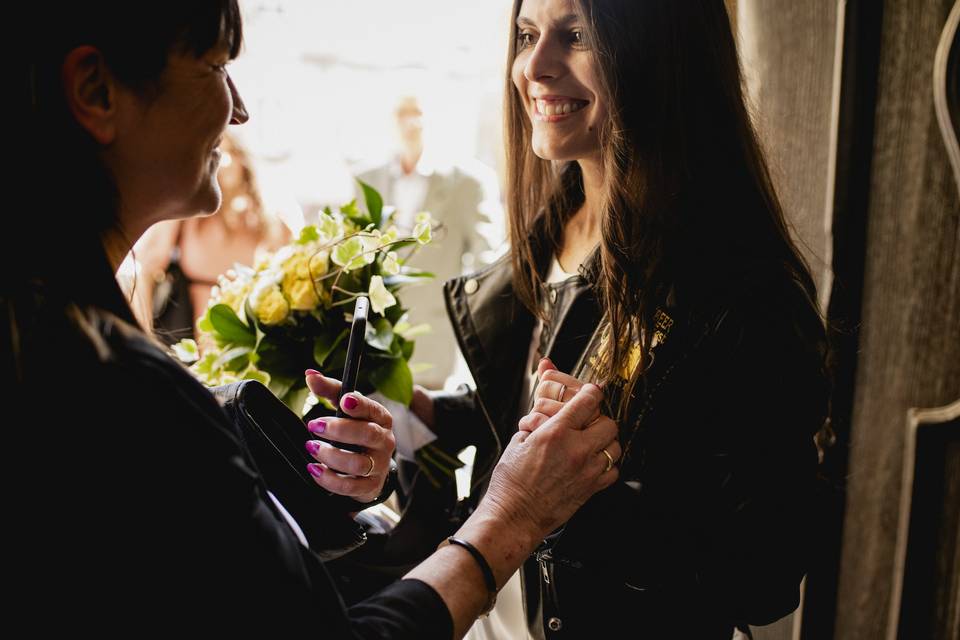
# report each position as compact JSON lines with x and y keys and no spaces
{"x":180,"y":260}
{"x":465,"y":198}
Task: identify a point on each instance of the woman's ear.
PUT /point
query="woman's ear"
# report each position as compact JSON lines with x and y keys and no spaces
{"x":91,"y":92}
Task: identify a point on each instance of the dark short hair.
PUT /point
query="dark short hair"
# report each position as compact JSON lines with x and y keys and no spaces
{"x":69,"y":198}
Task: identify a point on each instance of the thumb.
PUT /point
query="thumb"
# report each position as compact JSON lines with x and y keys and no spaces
{"x":579,"y":410}
{"x":546,"y":364}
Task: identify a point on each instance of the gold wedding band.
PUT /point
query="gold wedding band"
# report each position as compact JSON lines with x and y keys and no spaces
{"x":609,"y":460}
{"x":372,"y":464}
{"x":563,"y":389}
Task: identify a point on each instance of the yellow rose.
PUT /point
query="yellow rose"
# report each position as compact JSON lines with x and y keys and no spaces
{"x":295,"y":267}
{"x":302,"y":294}
{"x":233,"y":296}
{"x":297,"y":284}
{"x":318,"y":264}
{"x":273,"y":308}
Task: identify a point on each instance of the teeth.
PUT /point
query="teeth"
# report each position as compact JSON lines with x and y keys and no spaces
{"x":556,"y":107}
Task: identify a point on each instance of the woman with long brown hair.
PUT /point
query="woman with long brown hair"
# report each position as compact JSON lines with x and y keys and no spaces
{"x":649,"y":254}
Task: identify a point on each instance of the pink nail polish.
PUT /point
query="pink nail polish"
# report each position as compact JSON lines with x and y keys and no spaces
{"x":315,"y":470}
{"x":317,"y":426}
{"x":312,"y":447}
{"x":312,"y":372}
{"x":350,"y":403}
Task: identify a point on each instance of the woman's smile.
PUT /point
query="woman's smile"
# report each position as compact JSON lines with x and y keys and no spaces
{"x":554,"y":108}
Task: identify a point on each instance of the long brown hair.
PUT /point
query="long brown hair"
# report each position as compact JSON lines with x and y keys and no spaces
{"x":687,"y":205}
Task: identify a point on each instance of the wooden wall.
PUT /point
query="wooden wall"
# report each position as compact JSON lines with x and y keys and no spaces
{"x":910,"y":336}
{"x":844,"y":94}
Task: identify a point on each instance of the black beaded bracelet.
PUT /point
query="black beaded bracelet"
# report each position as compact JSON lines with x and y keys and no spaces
{"x":485,"y":569}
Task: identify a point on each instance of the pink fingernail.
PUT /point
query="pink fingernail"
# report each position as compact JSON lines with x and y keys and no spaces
{"x":317,"y":426}
{"x":350,"y":403}
{"x":312,"y":372}
{"x":315,"y":470}
{"x":312,"y":447}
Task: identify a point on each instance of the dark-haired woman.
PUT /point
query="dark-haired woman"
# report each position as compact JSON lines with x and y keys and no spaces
{"x":134,"y":505}
{"x":649,"y":254}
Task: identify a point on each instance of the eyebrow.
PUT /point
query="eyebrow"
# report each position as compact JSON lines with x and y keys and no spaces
{"x":527,"y":22}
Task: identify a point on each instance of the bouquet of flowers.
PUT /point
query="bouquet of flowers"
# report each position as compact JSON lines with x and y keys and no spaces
{"x":292,"y":310}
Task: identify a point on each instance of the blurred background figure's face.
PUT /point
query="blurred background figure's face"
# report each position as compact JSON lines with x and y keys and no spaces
{"x":410,"y":123}
{"x":315,"y":85}
{"x":557,"y":78}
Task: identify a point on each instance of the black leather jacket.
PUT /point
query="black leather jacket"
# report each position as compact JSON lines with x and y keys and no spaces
{"x":710,"y":523}
{"x":137,"y":500}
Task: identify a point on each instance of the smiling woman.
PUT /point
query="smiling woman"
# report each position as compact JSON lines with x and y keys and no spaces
{"x":556,"y":75}
{"x":649,"y":253}
{"x":179,"y":127}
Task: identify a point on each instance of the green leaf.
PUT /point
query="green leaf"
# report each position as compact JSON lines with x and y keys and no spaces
{"x":394,"y":313}
{"x":236,"y":359}
{"x":337,"y":359}
{"x":252,"y":319}
{"x":379,"y":334}
{"x":406,"y":349}
{"x":417,"y":273}
{"x":402,"y":279}
{"x":411,"y":333}
{"x":296,"y":399}
{"x":402,"y":244}
{"x":260,"y":376}
{"x":394,"y":380}
{"x":186,"y":351}
{"x":350,"y":209}
{"x":351,"y":254}
{"x":308,"y":234}
{"x":231,"y":328}
{"x":204,"y":324}
{"x":352,"y":213}
{"x":374,"y":202}
{"x":206,"y":365}
{"x":396,"y":347}
{"x":280,"y":385}
{"x":324,"y":345}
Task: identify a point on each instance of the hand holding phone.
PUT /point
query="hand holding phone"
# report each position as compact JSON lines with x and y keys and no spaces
{"x":351,"y":368}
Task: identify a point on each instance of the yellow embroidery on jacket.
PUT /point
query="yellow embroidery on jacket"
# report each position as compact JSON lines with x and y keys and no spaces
{"x":662,"y":324}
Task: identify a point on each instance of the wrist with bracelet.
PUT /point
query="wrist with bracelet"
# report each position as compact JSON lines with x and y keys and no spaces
{"x":484,"y":566}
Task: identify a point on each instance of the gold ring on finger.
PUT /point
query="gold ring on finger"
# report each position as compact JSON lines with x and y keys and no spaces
{"x":563,"y":389}
{"x":609,"y":459}
{"x":372,"y":464}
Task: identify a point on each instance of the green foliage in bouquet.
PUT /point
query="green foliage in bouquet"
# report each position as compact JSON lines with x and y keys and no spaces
{"x":292,"y":310}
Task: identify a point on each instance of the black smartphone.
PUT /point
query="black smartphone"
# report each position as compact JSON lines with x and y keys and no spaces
{"x":351,"y":368}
